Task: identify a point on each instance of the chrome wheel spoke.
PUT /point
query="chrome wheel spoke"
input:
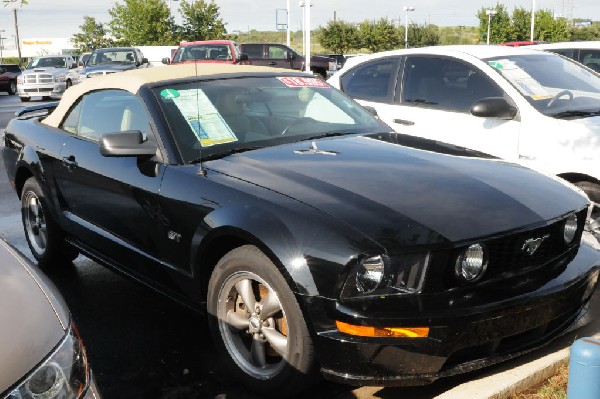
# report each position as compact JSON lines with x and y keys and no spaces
{"x":237,"y":321}
{"x":34,"y":207}
{"x":244,"y":288}
{"x":257,"y":352}
{"x":42,"y":238}
{"x":270,"y":306}
{"x":278,"y":341}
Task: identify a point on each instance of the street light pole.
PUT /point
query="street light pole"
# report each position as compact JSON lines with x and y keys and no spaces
{"x":489,"y":13}
{"x":532,"y":18}
{"x":288,"y":23}
{"x":406,"y":10}
{"x":1,"y":45}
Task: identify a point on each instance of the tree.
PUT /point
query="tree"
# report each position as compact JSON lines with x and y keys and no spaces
{"x":500,"y":29}
{"x":92,"y":36}
{"x":379,"y":35}
{"x":423,"y":35}
{"x":142,"y":23}
{"x":549,"y":29}
{"x":521,"y":25}
{"x":201,"y":21}
{"x":339,"y":36}
{"x":591,"y":32}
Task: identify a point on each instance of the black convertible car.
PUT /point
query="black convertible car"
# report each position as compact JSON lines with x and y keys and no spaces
{"x":313,"y":237}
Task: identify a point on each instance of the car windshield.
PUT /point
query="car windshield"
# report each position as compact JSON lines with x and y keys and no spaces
{"x":48,"y":62}
{"x":100,"y":57}
{"x":220,"y":52}
{"x":555,"y":86}
{"x":219,"y":117}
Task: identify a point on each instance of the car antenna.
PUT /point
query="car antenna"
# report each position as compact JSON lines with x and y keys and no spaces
{"x":201,"y":170}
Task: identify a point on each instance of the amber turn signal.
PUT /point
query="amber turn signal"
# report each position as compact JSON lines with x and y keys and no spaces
{"x":364,"y":331}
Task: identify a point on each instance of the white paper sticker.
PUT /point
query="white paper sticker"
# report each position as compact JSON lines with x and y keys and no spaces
{"x":203,"y":118}
{"x":526,"y":84}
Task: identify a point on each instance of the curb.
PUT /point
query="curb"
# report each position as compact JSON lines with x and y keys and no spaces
{"x":510,"y":382}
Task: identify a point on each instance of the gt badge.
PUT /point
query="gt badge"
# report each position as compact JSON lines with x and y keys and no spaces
{"x":531,"y":245}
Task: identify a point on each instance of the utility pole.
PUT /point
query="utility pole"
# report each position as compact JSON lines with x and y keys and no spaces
{"x":406,"y":10}
{"x":288,"y":24}
{"x":17,"y":33}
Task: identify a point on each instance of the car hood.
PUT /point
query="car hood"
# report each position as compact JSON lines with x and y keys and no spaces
{"x":33,"y":316}
{"x":53,"y":71}
{"x":403,"y":196}
{"x":109,"y":67}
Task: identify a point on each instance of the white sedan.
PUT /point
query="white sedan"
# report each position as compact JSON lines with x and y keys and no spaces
{"x":527,"y":106}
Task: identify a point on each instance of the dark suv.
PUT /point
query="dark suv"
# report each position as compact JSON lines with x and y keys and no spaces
{"x":8,"y":77}
{"x":282,"y":56}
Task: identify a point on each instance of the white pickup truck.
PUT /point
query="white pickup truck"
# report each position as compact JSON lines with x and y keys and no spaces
{"x":47,"y":76}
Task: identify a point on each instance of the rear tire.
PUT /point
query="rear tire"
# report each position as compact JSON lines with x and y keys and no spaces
{"x":45,"y":239}
{"x":258,"y":326}
{"x":12,"y":88}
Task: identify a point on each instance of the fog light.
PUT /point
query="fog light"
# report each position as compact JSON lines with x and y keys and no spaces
{"x":471,"y":263}
{"x":370,"y":274}
{"x":570,"y":229}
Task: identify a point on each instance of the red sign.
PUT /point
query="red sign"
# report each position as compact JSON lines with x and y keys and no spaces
{"x":303,"y":82}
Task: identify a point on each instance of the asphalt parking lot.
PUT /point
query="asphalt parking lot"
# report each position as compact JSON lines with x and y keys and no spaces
{"x":142,"y":345}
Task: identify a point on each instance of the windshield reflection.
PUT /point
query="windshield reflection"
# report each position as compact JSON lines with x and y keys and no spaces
{"x":554,"y":85}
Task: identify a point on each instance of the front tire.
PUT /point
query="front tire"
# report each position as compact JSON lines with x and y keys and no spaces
{"x":257,"y":324}
{"x":45,"y":239}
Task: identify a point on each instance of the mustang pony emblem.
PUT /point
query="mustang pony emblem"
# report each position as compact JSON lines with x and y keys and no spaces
{"x":531,"y":245}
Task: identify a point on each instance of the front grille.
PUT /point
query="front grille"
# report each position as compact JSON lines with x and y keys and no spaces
{"x":505,"y":255}
{"x":38,"y":78}
{"x":38,"y":90}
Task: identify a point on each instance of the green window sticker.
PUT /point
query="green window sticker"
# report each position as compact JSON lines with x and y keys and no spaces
{"x":169,"y":93}
{"x":495,"y":64}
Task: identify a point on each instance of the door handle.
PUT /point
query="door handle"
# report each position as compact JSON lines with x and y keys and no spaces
{"x":69,"y":162}
{"x":404,"y":122}
{"x":272,"y":63}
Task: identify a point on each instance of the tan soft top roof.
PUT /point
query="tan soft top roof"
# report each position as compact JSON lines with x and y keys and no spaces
{"x":131,"y":81}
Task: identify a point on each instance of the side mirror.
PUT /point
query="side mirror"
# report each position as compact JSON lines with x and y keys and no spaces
{"x":291,"y":56}
{"x":243,"y":58}
{"x":126,"y":144}
{"x":72,"y":66}
{"x":166,"y":61}
{"x":371,"y":110}
{"x":493,"y":107}
{"x":144,"y":60}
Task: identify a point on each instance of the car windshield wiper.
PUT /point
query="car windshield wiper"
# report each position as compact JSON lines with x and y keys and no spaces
{"x":575,"y":113}
{"x":331,"y":134}
{"x":224,"y":154}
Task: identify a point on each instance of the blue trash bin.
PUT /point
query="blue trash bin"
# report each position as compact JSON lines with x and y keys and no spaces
{"x":584,"y":369}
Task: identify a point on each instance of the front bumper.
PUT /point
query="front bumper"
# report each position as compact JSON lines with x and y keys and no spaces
{"x":469,"y":330}
{"x":54,"y":90}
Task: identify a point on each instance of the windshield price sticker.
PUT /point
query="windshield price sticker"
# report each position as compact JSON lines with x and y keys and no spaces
{"x":202,"y":117}
{"x":523,"y":81}
{"x":302,"y":82}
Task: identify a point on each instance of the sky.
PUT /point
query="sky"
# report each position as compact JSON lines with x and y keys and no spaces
{"x":62,"y":18}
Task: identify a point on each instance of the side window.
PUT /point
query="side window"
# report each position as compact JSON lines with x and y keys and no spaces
{"x":107,"y":111}
{"x":373,"y":80}
{"x":564,"y":52}
{"x":71,"y":122}
{"x":445,"y":84}
{"x":277,"y":53}
{"x":590,"y":58}
{"x":254,"y":50}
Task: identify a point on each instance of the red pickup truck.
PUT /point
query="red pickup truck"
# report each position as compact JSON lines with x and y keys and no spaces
{"x":215,"y":51}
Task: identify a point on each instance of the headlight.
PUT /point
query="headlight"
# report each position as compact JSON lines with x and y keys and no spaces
{"x":570,"y":229}
{"x":20,"y":79}
{"x":82,"y":77}
{"x":64,"y":374}
{"x":370,"y":274}
{"x":60,"y":79}
{"x":471,"y":263}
